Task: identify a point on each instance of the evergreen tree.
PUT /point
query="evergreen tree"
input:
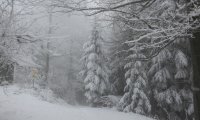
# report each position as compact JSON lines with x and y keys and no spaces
{"x":169,"y":74}
{"x":183,"y":77}
{"x":118,"y":51}
{"x":164,"y":93}
{"x":95,"y":71}
{"x":135,"y":98}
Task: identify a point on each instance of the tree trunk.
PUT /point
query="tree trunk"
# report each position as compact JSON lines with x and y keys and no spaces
{"x":48,"y":44}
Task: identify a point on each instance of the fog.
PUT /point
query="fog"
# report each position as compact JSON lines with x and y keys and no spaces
{"x":99,"y":60}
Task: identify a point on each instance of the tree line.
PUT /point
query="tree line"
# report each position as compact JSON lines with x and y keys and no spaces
{"x":150,"y":57}
{"x":150,"y":63}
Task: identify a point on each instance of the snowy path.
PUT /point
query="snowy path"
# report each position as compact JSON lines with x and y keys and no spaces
{"x":24,"y":106}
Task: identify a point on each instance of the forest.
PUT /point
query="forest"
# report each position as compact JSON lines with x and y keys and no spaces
{"x":95,"y":60}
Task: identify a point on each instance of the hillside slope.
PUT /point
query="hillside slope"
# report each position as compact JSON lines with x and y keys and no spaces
{"x":15,"y":105}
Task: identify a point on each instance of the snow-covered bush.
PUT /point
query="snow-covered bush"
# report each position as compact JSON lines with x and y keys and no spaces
{"x":107,"y":101}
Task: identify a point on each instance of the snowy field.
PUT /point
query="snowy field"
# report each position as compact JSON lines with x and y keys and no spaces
{"x":17,"y":105}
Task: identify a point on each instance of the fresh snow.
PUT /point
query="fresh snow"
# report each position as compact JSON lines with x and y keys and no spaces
{"x":18,"y":105}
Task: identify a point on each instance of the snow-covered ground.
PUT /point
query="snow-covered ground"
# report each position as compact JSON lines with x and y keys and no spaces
{"x":17,"y":105}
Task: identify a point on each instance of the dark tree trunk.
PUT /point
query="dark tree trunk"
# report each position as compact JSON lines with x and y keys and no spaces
{"x":195,"y":48}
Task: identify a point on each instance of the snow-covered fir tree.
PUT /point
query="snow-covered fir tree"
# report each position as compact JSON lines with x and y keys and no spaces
{"x":183,"y":76}
{"x":95,"y":71}
{"x":169,"y":74}
{"x":117,"y":61}
{"x":164,"y":93}
{"x":135,"y":98}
